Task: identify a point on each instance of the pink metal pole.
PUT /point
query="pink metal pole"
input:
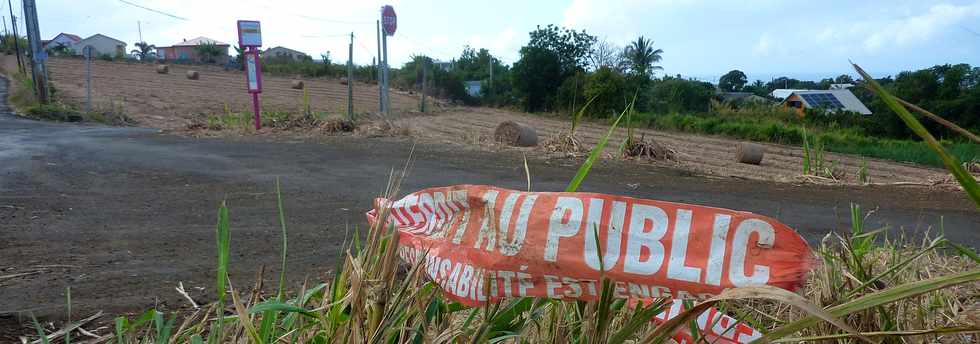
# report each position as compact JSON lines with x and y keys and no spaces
{"x":255,"y":107}
{"x":255,"y":93}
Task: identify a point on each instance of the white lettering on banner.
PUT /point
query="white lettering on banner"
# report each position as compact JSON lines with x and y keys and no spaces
{"x":439,"y":211}
{"x":486,"y":228}
{"x":638,"y":238}
{"x":614,"y":235}
{"x":676,"y":268}
{"x":559,"y":227}
{"x":425,"y":206}
{"x":520,"y":228}
{"x":740,"y":246}
{"x":460,"y":199}
{"x":716,"y":256}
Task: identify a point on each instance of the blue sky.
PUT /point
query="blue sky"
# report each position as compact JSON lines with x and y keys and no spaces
{"x":703,"y":39}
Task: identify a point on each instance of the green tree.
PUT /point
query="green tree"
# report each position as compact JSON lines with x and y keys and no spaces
{"x":732,"y":81}
{"x":675,"y":94}
{"x":145,"y":51}
{"x":844,"y":79}
{"x":608,"y":87}
{"x":240,"y":58}
{"x":758,"y":88}
{"x":573,"y":48}
{"x":641,"y":57}
{"x":536,"y":76}
{"x":208,"y":52}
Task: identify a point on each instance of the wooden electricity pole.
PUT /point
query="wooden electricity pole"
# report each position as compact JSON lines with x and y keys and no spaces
{"x":424,"y":67}
{"x":38,"y":55}
{"x":13,"y":24}
{"x":350,"y":78}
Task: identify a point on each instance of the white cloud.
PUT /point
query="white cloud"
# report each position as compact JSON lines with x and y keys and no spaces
{"x":908,"y":30}
{"x":762,"y":46}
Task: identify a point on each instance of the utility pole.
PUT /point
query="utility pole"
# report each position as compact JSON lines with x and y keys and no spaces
{"x":350,"y":78}
{"x":139,"y":26}
{"x":38,"y":55}
{"x":13,"y":24}
{"x":424,"y":67}
{"x":490,"y":84}
{"x":4,"y":26}
{"x":381,"y":86}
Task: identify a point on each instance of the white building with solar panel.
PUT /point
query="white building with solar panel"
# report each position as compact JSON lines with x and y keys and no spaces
{"x":828,"y":100}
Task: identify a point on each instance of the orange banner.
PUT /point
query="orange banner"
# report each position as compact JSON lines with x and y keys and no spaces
{"x":483,"y":243}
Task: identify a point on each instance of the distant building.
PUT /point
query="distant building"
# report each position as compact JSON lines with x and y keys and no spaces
{"x":782,"y":93}
{"x":840,"y":86}
{"x":186,"y":50}
{"x":472,"y":87}
{"x":829,"y":100}
{"x":446,"y":66}
{"x":741,"y":97}
{"x":66,"y":39}
{"x":284,"y":52}
{"x":101,"y":45}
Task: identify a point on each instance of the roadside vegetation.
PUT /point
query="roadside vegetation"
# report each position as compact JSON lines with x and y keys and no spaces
{"x":560,"y":69}
{"x":22,"y":98}
{"x":869,"y":287}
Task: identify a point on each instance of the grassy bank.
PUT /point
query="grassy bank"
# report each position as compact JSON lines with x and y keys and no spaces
{"x":21,"y":98}
{"x":777,"y":129}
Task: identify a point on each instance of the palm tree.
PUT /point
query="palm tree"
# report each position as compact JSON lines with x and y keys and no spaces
{"x":641,"y":56}
{"x":144,"y":51}
{"x":208,"y":52}
{"x":240,"y":59}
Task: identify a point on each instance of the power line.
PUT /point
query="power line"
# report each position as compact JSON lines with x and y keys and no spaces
{"x":153,"y":10}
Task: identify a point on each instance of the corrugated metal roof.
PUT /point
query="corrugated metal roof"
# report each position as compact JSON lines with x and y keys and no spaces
{"x":783,"y":93}
{"x":199,"y":41}
{"x":99,"y":35}
{"x":849,"y":101}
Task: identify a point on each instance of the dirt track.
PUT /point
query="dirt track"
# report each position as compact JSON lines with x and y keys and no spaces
{"x":703,"y":154}
{"x":170,"y":101}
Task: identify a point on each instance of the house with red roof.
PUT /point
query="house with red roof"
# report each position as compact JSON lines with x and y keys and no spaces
{"x":187,"y":50}
{"x":66,"y":39}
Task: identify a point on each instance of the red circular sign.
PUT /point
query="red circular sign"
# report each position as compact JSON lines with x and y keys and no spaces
{"x":389,"y":21}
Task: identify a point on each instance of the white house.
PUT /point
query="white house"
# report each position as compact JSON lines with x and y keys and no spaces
{"x":66,"y":39}
{"x":283,"y":52}
{"x":829,"y":100}
{"x":472,"y":88}
{"x":782,"y":93}
{"x":101,"y":45}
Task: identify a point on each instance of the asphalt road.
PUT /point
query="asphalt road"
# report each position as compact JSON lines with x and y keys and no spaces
{"x":121,"y":215}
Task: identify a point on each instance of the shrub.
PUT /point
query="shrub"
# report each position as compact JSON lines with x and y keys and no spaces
{"x":608,"y":87}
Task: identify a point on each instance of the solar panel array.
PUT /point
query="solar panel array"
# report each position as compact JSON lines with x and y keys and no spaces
{"x":822,"y":100}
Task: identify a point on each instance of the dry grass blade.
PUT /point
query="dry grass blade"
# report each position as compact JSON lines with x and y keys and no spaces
{"x":912,"y":333}
{"x":755,"y":292}
{"x":67,"y":329}
{"x":879,"y":298}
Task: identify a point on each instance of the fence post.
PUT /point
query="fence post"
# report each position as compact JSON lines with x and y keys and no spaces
{"x":87,"y":50}
{"x":424,"y":85}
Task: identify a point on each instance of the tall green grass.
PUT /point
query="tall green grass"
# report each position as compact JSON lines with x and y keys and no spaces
{"x":835,"y":140}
